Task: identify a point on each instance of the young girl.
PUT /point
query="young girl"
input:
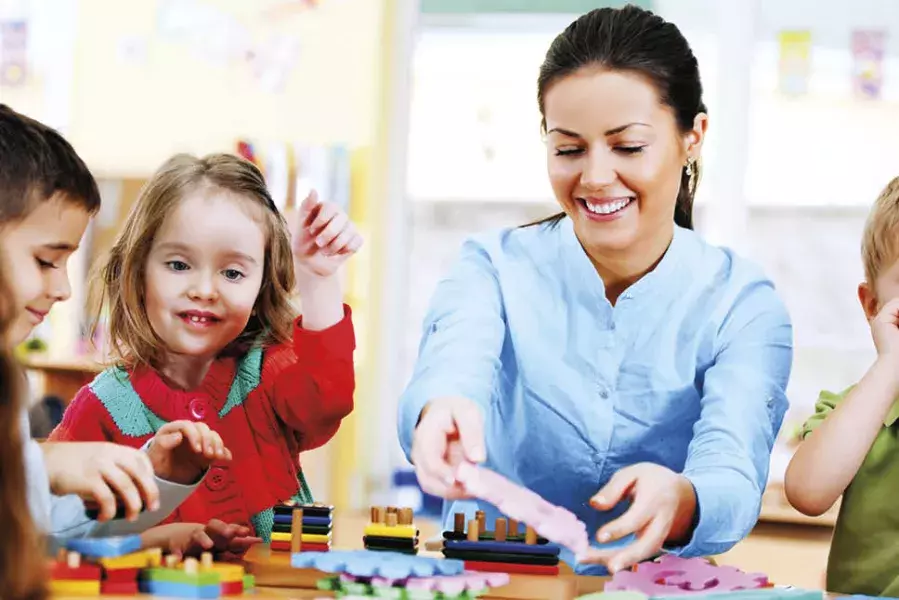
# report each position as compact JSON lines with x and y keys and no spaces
{"x":47,"y":197}
{"x":197,"y":288}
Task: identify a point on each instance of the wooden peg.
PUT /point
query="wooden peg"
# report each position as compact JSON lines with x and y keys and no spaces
{"x":191,"y":566}
{"x":391,"y":509}
{"x":473,"y":530}
{"x":73,"y":560}
{"x":513,"y":528}
{"x":530,"y":536}
{"x":154,"y":557}
{"x":391,"y":519}
{"x":377,"y":515}
{"x":482,"y":519}
{"x":500,"y":530}
{"x":405,"y":516}
{"x":206,"y":560}
{"x":296,"y":531}
{"x":459,"y":523}
{"x":171,"y":561}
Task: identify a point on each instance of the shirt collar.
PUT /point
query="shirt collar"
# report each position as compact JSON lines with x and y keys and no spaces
{"x":582,"y":270}
{"x":892,"y":415}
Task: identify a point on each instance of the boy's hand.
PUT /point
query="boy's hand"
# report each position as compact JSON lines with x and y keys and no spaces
{"x":885,"y":329}
{"x":102,"y":472}
{"x":226,"y":542}
{"x":183,"y":450}
{"x":323,"y":239}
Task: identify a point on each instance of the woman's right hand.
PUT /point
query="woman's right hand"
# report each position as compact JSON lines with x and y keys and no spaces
{"x":449,"y":431}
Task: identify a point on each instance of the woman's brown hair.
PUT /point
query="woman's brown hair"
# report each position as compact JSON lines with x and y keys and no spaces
{"x":22,"y":558}
{"x":120,"y":285}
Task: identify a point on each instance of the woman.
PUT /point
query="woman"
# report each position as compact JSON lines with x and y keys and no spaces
{"x":608,"y":358}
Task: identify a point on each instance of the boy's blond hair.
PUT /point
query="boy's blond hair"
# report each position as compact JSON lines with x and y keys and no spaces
{"x":120,"y":283}
{"x":880,"y":241}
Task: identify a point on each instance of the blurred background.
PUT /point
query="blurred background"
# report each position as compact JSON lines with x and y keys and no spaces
{"x":420,"y":117}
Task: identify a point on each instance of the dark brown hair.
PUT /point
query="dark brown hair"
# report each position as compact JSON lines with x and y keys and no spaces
{"x":36,"y":165}
{"x":636,"y":40}
{"x":121,"y":283}
{"x":22,"y":562}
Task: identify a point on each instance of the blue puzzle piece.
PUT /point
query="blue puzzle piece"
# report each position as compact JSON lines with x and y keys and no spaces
{"x":108,"y":547}
{"x":366,"y":563}
{"x":180,"y":590}
{"x":504,"y":547}
{"x":318,"y":521}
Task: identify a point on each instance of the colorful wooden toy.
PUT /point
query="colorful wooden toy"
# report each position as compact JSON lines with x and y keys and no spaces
{"x":367,"y":563}
{"x":391,"y":530}
{"x":302,"y":528}
{"x":497,"y":551}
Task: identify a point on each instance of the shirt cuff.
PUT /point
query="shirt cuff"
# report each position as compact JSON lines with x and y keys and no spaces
{"x":723,"y":515}
{"x":337,"y":341}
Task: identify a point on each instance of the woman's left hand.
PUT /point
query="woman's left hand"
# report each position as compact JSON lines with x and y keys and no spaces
{"x":663,"y":504}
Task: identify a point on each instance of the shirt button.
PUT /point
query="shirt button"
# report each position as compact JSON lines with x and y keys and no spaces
{"x":604,"y":394}
{"x":216,"y":479}
{"x":197,"y":409}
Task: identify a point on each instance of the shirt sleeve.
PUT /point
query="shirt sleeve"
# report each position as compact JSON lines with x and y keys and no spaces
{"x":742,"y":409}
{"x":311,"y":389}
{"x":69,"y":518}
{"x":827,"y":401}
{"x":463,"y":332}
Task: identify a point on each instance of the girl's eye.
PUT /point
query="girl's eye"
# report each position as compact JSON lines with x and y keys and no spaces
{"x":568,"y":151}
{"x":177,"y":265}
{"x":45,"y":264}
{"x":233,"y":275}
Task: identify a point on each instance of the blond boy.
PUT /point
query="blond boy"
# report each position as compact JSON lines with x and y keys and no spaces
{"x":850,"y":445}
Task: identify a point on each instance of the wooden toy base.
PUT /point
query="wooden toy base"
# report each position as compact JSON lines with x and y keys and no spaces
{"x":272,"y":569}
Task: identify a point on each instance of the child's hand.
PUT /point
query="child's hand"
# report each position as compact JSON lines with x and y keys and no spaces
{"x":323,"y":239}
{"x":885,"y":329}
{"x":102,"y":472}
{"x":183,"y":450}
{"x":226,"y":542}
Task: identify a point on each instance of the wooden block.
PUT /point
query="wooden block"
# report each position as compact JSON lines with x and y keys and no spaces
{"x":516,"y":558}
{"x":391,"y":520}
{"x":511,"y":568}
{"x":376,"y":515}
{"x":459,"y":523}
{"x":405,"y":531}
{"x":137,"y":560}
{"x":530,"y":537}
{"x":391,"y":510}
{"x":513,"y":527}
{"x":405,"y":516}
{"x":85,"y":587}
{"x":499,"y":530}
{"x":296,"y":531}
{"x":504,"y":547}
{"x":473,"y":530}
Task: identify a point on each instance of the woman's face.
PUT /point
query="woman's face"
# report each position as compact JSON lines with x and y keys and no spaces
{"x":615,"y":157}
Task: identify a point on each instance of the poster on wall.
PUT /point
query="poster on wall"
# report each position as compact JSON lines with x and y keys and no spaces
{"x":13,"y":53}
{"x":867,"y":63}
{"x":795,"y":62}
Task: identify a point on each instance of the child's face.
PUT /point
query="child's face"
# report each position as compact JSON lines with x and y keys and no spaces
{"x":885,"y":288}
{"x":38,"y":249}
{"x":204,"y":272}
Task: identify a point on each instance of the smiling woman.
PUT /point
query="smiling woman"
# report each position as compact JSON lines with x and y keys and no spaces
{"x":608,"y":358}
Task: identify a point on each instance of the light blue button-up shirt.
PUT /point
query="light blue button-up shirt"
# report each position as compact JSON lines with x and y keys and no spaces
{"x":687,"y":370}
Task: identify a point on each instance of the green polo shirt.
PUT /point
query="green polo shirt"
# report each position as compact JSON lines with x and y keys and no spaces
{"x":864,"y":553}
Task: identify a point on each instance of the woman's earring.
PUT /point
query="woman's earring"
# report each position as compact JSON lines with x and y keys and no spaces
{"x":691,"y":174}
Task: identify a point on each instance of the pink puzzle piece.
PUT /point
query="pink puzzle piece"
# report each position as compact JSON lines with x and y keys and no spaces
{"x":672,"y":575}
{"x":516,"y":502}
{"x":447,"y":584}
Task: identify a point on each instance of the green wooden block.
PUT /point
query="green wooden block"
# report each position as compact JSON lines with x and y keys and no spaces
{"x":249,"y":582}
{"x":179,"y":576}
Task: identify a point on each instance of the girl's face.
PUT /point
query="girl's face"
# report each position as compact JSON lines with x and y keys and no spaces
{"x":615,"y":157}
{"x":204,"y":272}
{"x":38,"y":248}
